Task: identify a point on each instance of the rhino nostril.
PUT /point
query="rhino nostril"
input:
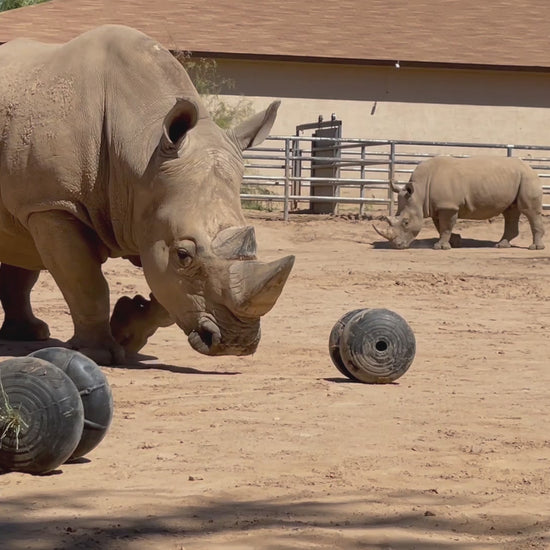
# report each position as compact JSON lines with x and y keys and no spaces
{"x":206,"y":337}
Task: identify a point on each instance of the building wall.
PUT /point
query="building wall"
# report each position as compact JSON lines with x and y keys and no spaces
{"x":479,"y":106}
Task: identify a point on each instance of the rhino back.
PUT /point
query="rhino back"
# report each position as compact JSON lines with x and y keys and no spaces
{"x":479,"y":187}
{"x":79,"y":122}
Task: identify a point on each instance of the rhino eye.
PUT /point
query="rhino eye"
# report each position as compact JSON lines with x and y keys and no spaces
{"x":185,"y":250}
{"x":184,"y":256}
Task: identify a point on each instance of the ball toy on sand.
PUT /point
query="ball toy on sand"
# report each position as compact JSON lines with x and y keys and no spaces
{"x":94,"y":391}
{"x":334,"y":342}
{"x":374,"y":346}
{"x":41,"y":416}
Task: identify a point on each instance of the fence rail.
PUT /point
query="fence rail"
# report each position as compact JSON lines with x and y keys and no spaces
{"x":278,"y":174}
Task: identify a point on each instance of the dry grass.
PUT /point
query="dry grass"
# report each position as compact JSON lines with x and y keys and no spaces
{"x":10,"y":418}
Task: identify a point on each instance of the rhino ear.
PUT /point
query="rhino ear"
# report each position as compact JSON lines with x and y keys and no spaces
{"x":253,"y":131}
{"x":181,"y":118}
{"x":409,"y":188}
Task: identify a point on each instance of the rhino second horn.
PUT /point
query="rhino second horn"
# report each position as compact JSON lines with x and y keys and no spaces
{"x":235,"y":243}
{"x":255,"y":286}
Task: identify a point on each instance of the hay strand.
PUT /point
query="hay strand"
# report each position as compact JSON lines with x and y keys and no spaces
{"x":10,"y":418}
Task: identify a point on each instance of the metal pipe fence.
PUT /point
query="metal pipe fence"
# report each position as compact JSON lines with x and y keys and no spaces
{"x":278,"y":173}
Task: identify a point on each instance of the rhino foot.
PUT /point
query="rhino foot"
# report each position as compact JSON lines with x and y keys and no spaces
{"x":131,"y":322}
{"x":536,"y":247}
{"x":24,"y":330}
{"x":503,"y":244}
{"x":442,"y":246}
{"x":455,"y":240}
{"x":110,"y":353}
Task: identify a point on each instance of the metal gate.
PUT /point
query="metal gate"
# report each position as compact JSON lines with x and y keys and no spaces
{"x":287,"y":169}
{"x":324,"y":165}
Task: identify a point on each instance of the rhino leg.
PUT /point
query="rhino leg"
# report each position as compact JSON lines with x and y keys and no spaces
{"x":537,"y":229}
{"x":15,"y":290}
{"x":530,"y":204}
{"x":73,"y":254}
{"x":446,"y":222}
{"x":455,"y":240}
{"x":135,"y":319}
{"x":538,"y":233}
{"x":511,"y":226}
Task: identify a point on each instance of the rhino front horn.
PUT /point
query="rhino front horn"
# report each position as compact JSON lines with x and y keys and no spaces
{"x":255,"y":286}
{"x":387,"y":232}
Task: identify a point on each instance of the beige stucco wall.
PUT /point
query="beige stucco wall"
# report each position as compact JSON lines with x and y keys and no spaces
{"x":401,"y":103}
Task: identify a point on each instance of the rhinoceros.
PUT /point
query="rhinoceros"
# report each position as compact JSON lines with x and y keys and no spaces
{"x":473,"y":188}
{"x":106,"y":150}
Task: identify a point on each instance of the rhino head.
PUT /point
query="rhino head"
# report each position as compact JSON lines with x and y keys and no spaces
{"x":197,"y":253}
{"x":403,"y":228}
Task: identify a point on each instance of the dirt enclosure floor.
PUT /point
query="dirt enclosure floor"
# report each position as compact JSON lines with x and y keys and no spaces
{"x":279,"y":451}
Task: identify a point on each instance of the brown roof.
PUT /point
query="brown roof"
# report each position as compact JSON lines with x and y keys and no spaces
{"x":512,"y":33}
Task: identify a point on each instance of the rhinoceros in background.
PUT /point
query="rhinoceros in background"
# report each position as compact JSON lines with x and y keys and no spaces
{"x":475,"y":188}
{"x":107,"y":151}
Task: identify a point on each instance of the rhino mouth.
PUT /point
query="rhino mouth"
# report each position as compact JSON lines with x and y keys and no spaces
{"x":389,"y":232}
{"x":207,"y":338}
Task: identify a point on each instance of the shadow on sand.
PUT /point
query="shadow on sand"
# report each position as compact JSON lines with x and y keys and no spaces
{"x":16,"y":348}
{"x":137,"y":361}
{"x":292,"y":522}
{"x":429,"y":243}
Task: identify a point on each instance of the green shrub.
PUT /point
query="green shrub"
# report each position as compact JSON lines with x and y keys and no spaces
{"x":204,"y":74}
{"x":6,"y":5}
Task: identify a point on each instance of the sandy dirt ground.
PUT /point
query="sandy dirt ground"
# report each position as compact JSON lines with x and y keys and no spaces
{"x":279,"y":451}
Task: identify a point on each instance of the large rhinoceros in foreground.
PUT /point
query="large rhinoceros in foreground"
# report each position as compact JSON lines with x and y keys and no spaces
{"x":107,"y":151}
{"x":475,"y":188}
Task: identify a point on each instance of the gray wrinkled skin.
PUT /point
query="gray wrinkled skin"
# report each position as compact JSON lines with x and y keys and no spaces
{"x":107,"y":151}
{"x":476,"y":188}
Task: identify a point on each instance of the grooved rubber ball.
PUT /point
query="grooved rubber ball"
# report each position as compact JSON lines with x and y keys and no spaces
{"x":376,"y":346}
{"x":334,"y":342}
{"x":41,"y":416}
{"x":94,"y":391}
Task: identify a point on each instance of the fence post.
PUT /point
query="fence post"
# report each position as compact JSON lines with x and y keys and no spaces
{"x":362,"y":176}
{"x":509,"y":150}
{"x":287,"y":179}
{"x":296,"y":184}
{"x":391,"y":173}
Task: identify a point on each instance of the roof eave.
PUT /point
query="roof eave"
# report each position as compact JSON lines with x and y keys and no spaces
{"x":397,"y":63}
{"x":373,"y":62}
